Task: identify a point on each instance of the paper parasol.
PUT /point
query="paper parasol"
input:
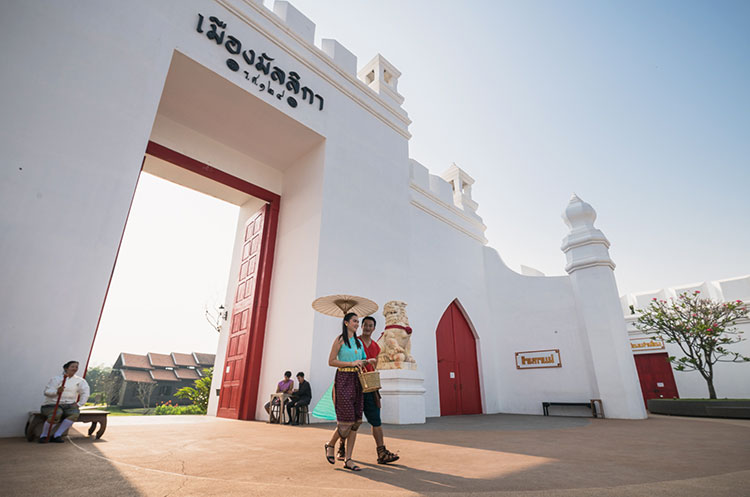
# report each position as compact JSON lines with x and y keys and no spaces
{"x":338,"y":305}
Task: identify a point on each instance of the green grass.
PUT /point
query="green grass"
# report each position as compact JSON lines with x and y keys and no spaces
{"x":117,"y":411}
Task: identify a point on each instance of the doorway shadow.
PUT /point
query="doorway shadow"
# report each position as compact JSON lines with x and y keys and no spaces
{"x":62,"y":470}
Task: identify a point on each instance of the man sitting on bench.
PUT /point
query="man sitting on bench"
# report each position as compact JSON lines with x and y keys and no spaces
{"x":300,"y":397}
{"x":75,"y":388}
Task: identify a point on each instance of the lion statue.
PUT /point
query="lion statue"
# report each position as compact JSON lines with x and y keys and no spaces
{"x":395,"y":342}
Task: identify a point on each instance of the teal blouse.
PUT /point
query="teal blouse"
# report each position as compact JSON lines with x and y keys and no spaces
{"x":351,"y":353}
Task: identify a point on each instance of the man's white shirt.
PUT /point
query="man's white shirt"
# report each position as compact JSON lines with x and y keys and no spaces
{"x":74,"y":387}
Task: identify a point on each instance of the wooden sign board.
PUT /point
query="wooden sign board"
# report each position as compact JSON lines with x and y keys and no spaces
{"x":535,"y":359}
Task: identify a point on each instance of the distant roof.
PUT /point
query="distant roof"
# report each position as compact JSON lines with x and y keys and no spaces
{"x":186,"y":374}
{"x":161,"y":360}
{"x":152,"y":360}
{"x":136,"y":375}
{"x":204,"y":359}
{"x":184,"y":359}
{"x":135,"y":361}
{"x":163,"y":375}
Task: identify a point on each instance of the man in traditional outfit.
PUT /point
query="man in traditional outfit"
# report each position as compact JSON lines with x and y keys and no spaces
{"x":73,"y":392}
{"x":372,"y":399}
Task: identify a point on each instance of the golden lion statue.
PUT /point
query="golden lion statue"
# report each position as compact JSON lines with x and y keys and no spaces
{"x":395,"y":342}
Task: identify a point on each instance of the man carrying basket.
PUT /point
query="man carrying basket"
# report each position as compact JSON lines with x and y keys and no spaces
{"x":372,"y":399}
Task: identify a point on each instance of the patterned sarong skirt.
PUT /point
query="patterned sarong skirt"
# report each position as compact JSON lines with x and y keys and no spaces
{"x":349,"y":398}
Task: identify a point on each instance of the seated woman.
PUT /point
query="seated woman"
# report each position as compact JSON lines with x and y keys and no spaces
{"x":285,"y":386}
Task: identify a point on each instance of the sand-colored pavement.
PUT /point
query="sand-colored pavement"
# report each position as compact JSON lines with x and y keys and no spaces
{"x":493,"y":454}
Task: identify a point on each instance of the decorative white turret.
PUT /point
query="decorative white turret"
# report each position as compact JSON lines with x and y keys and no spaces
{"x":461,"y":183}
{"x":604,"y":337}
{"x":382,"y":76}
{"x":585,"y":246}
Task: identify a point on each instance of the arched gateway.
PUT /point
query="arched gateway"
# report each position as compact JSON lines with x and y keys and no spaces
{"x":458,"y":374}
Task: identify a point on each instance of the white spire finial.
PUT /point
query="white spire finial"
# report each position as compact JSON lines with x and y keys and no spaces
{"x":579,"y":214}
{"x":585,"y":246}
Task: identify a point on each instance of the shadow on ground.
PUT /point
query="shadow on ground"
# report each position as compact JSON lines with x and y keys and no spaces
{"x":29,"y":469}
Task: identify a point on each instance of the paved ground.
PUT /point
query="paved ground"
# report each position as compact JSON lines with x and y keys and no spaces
{"x":494,"y":454}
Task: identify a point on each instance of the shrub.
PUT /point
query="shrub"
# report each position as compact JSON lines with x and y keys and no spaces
{"x":200,"y":392}
{"x":167,"y":408}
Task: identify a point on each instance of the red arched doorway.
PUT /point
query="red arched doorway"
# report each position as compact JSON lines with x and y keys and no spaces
{"x":458,"y":374}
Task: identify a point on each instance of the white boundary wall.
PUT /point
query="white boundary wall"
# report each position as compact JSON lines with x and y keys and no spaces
{"x":731,"y":379}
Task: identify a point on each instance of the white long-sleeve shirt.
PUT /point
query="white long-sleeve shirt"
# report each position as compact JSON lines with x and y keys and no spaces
{"x":75,"y":388}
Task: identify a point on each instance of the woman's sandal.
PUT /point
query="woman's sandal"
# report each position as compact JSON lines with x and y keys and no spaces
{"x":330,"y":459}
{"x":353,"y":468}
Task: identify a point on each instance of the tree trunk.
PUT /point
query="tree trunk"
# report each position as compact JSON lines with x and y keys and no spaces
{"x":711,"y":390}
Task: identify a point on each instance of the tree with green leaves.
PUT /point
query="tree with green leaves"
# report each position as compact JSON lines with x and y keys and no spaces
{"x":702,"y":329}
{"x":199,"y":393}
{"x":98,"y":378}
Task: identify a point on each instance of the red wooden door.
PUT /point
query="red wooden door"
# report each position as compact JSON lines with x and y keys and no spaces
{"x":656,"y":376}
{"x":235,"y":382}
{"x":458,"y":373}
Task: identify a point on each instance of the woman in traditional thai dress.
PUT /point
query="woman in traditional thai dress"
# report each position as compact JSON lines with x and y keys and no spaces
{"x":348,"y":356}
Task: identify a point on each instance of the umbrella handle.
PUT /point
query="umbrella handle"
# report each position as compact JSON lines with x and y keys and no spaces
{"x":54,"y":412}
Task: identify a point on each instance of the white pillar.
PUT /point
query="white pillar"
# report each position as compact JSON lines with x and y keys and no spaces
{"x":402,"y":396}
{"x":612,"y":368}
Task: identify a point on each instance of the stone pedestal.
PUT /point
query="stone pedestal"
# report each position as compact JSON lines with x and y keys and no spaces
{"x":403,"y":396}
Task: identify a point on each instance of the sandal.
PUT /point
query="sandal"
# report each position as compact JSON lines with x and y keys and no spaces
{"x":342,"y":452}
{"x":353,"y":468}
{"x":385,"y":456}
{"x":330,"y":459}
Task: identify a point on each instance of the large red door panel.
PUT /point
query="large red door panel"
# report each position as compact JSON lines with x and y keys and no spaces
{"x":468,"y":370}
{"x":233,"y":382}
{"x":458,"y":374}
{"x":446,"y":356}
{"x":656,"y":376}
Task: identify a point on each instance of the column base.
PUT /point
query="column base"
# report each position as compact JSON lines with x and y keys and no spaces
{"x":403,"y":396}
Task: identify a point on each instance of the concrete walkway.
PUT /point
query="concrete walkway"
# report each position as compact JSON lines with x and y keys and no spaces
{"x":505,"y":455}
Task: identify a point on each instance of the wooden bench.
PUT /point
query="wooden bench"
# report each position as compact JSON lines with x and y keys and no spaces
{"x":95,"y":417}
{"x":590,"y":404}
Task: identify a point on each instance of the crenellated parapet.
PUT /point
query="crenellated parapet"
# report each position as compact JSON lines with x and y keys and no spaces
{"x":376,"y":82}
{"x":727,"y":290}
{"x":447,"y":198}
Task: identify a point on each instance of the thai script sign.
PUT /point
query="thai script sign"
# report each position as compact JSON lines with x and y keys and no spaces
{"x":646,"y":344}
{"x":534,"y":359}
{"x":258,"y":68}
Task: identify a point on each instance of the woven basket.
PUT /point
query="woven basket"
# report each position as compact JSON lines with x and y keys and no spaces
{"x":370,"y":380}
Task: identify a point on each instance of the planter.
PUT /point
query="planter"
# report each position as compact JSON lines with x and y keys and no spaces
{"x":701,"y":407}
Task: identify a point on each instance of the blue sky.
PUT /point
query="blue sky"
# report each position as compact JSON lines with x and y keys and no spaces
{"x":641,"y":108}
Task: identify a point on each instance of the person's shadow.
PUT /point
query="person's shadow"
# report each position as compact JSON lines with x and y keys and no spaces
{"x":418,"y":480}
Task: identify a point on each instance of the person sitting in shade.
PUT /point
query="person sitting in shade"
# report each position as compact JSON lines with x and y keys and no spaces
{"x":300,"y":397}
{"x":284,"y":386}
{"x":72,"y":395}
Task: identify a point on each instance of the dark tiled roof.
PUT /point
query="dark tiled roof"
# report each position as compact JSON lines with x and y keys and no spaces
{"x":135,"y":361}
{"x":163,"y":375}
{"x":161,"y":360}
{"x":205,"y":360}
{"x":184,"y":359}
{"x":186,"y":374}
{"x":136,"y":375}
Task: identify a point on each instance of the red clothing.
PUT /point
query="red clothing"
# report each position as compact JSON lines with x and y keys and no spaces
{"x":373,"y":351}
